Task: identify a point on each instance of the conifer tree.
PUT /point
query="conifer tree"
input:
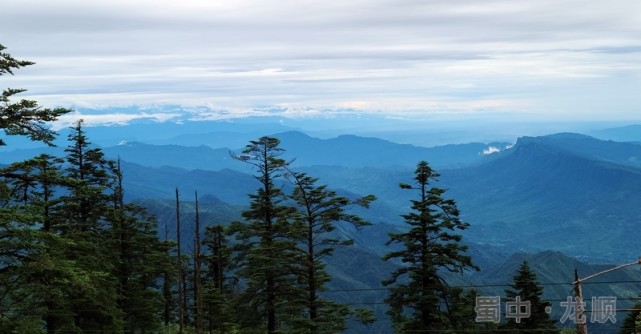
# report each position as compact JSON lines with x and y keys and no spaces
{"x":429,"y":246}
{"x":319,"y":210}
{"x":528,"y":289}
{"x":20,"y":239}
{"x":85,"y":215}
{"x":218,"y":287}
{"x":632,"y":321}
{"x":63,"y":279}
{"x":140,"y":259}
{"x":267,"y":256}
{"x":19,"y":246}
{"x":25,"y":117}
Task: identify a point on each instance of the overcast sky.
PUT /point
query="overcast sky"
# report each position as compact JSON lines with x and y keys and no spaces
{"x":542,"y":59}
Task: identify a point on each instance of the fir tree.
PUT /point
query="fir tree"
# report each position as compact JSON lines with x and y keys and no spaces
{"x":25,"y":117}
{"x":140,"y":259}
{"x":319,"y":210}
{"x":528,"y":289}
{"x":267,"y":256}
{"x":85,"y":219}
{"x":218,"y":287}
{"x":632,"y":322}
{"x":20,"y":239}
{"x":417,"y":288}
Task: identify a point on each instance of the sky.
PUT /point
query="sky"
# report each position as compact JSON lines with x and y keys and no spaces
{"x":209,"y":59}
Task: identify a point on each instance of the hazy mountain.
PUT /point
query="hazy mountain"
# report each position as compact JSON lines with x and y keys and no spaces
{"x":192,"y":157}
{"x":355,"y":151}
{"x":565,"y":192}
{"x":160,"y":183}
{"x":623,"y":153}
{"x":542,"y":195}
{"x":629,"y":133}
{"x":350,"y":151}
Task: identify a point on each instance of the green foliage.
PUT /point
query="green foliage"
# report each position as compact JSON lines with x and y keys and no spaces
{"x":461,"y":314}
{"x":417,"y":288}
{"x":25,"y":117}
{"x":527,"y":287}
{"x":267,"y":256}
{"x":76,"y":258}
{"x":632,"y":322}
{"x":220,"y":301}
{"x":318,"y":210}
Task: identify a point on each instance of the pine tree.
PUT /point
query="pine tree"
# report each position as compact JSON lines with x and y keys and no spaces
{"x":267,"y":256}
{"x":84,"y":219}
{"x":319,"y":210}
{"x":140,"y":259}
{"x":528,"y":289}
{"x":20,"y":239}
{"x":51,"y":270}
{"x":19,"y":248}
{"x":632,"y":322}
{"x":430,"y":245}
{"x":26,"y":117}
{"x":461,"y":314}
{"x":218,"y":286}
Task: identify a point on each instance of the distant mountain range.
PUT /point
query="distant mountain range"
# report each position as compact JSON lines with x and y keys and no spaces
{"x":566,"y":192}
{"x":561,"y":201}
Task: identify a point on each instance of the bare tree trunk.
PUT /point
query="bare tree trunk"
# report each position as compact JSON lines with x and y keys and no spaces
{"x":197,"y":278}
{"x":181,"y":302}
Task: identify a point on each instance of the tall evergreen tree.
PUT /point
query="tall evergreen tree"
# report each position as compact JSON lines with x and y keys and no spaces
{"x":85,"y":215}
{"x":429,"y":246}
{"x":218,"y":288}
{"x":267,"y":256}
{"x":140,"y":259}
{"x":58,"y":271}
{"x":319,"y":210}
{"x":19,"y":244}
{"x":91,"y":175}
{"x":20,"y":238}
{"x":528,"y":289}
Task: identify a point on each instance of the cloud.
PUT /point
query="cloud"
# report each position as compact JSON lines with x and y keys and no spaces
{"x":491,"y":150}
{"x":393,"y":56}
{"x":117,"y":118}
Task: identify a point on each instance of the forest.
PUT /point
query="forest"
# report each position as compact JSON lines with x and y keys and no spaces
{"x":77,"y":258}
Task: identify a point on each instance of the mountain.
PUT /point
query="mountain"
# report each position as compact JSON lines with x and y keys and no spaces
{"x":628,"y":133}
{"x":355,"y":151}
{"x":304,"y":150}
{"x":184,"y":132}
{"x":539,"y":195}
{"x":142,"y":182}
{"x":623,"y":153}
{"x":193,"y":157}
{"x":565,"y":192}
